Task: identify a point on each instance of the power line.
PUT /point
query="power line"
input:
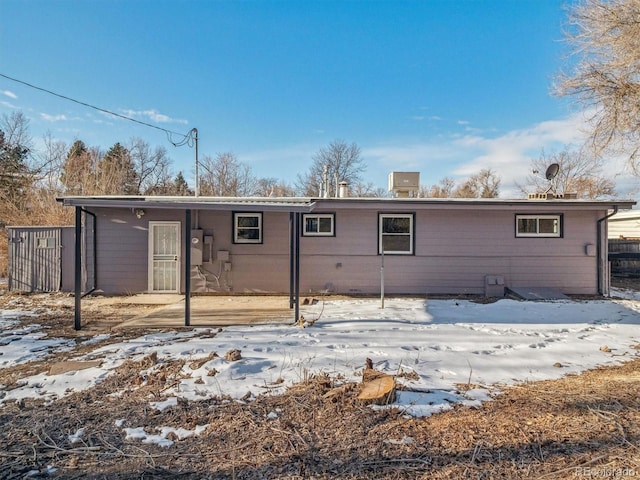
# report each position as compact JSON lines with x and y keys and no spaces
{"x":187,"y":138}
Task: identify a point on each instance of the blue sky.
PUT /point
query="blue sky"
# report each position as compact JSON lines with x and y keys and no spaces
{"x":440,"y":87}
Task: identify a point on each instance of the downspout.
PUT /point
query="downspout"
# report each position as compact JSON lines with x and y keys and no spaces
{"x":77,"y":288}
{"x":297,"y":266}
{"x":187,"y":269}
{"x":601,"y":260}
{"x":291,"y":259}
{"x":60,"y":263}
{"x":78,"y":295}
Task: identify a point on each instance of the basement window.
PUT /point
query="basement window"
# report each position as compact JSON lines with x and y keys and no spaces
{"x":319,"y":225}
{"x":539,"y":226}
{"x":395,"y":233}
{"x":247,"y":227}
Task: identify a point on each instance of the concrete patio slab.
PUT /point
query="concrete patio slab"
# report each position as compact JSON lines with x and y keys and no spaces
{"x":536,"y":293}
{"x":216,"y":311}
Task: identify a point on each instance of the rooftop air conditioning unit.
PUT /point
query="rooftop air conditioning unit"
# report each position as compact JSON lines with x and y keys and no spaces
{"x":404,"y":184}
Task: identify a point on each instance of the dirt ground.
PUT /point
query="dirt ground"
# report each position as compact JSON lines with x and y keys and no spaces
{"x":582,"y":426}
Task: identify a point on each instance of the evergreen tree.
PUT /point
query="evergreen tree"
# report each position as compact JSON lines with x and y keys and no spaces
{"x":15,"y":176}
{"x":78,"y":177}
{"x":180,"y":186}
{"x":116,"y":172}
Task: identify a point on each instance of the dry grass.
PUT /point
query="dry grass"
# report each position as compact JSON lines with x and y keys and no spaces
{"x":555,"y":429}
{"x":582,"y":426}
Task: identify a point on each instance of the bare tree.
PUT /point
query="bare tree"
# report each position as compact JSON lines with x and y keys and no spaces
{"x":226,"y":176}
{"x":605,"y":77}
{"x":151,"y":166}
{"x":79,"y":172}
{"x":27,"y":191}
{"x":485,"y":184}
{"x":337,"y":162}
{"x":51,"y":160}
{"x":580,"y":172}
{"x":16,"y":129}
{"x":272,"y":187}
{"x":368,"y":189}
{"x":443,"y":189}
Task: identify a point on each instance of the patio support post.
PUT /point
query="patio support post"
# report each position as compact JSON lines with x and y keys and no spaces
{"x":298,"y":216}
{"x":77,"y":315}
{"x":291,"y":259}
{"x":187,"y":268}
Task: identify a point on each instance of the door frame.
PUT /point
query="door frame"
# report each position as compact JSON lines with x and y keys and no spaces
{"x":178,"y":229}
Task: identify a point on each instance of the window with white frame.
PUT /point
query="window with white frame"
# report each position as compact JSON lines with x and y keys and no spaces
{"x":396,"y":233}
{"x":318,"y":225}
{"x":538,"y":225}
{"x":247,"y":227}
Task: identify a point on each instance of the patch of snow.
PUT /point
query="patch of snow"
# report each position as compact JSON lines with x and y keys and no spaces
{"x":77,"y":436}
{"x":96,"y":339}
{"x":437,"y":346}
{"x":163,"y":405}
{"x":161,"y":439}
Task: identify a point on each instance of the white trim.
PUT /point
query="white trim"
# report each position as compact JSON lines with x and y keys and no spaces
{"x":537,"y":234}
{"x":236,"y":216}
{"x":150,"y":259}
{"x":410,"y":234}
{"x":318,"y":233}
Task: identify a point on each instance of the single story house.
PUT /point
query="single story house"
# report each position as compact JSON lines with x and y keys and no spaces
{"x":341,"y":245}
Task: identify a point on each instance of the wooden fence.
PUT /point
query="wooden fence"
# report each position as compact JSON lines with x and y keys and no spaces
{"x":625,"y":257}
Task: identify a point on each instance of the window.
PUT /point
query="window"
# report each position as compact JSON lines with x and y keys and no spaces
{"x":538,"y":225}
{"x":247,"y":227}
{"x":318,"y":225}
{"x":396,"y":233}
{"x":48,"y":242}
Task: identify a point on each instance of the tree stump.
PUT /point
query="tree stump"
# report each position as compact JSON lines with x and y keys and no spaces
{"x":380,"y":390}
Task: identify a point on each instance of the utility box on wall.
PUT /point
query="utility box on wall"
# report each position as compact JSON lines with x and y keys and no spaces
{"x":494,"y":286}
{"x":196,"y":247}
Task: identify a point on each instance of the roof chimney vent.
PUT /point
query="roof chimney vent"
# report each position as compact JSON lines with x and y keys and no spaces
{"x":343,"y":189}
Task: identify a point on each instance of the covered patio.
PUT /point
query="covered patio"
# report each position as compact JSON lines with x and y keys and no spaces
{"x":202,"y":311}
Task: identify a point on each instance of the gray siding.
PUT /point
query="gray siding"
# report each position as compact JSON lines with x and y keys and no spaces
{"x":122,"y":248}
{"x":258,"y":268}
{"x":35,"y":259}
{"x":454,"y":250}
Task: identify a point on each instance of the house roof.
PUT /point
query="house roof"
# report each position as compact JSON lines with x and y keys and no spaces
{"x":308,"y":204}
{"x":288,"y":204}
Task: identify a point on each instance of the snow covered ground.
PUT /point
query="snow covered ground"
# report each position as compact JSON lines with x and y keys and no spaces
{"x":433,"y":345}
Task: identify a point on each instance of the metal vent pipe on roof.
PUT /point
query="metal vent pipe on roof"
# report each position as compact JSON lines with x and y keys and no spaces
{"x":343,"y":189}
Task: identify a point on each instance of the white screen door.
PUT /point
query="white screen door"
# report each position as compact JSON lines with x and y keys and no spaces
{"x":164,"y":257}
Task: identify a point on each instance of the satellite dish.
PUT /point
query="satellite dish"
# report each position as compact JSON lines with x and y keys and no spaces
{"x":552,"y":171}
